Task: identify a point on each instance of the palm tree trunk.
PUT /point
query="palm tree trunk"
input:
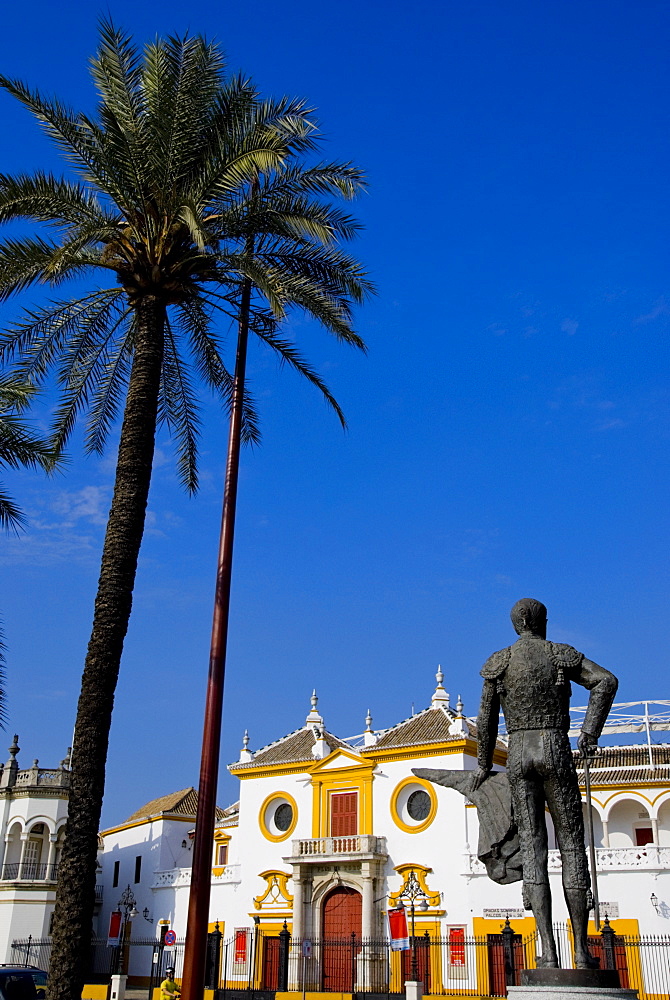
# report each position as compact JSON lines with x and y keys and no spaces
{"x":201,"y":874}
{"x":75,"y":894}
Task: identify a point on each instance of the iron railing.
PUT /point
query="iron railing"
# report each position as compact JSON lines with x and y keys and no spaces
{"x":28,"y":871}
{"x":256,"y":962}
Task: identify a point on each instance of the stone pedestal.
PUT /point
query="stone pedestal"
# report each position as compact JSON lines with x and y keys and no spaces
{"x":117,"y":989}
{"x":570,"y":984}
{"x":413,"y":991}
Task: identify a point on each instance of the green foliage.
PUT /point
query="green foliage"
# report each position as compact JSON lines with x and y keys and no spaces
{"x":185,"y":185}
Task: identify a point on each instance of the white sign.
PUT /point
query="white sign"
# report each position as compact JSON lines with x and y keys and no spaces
{"x":503,"y":914}
{"x":306,"y":949}
{"x":608,"y":909}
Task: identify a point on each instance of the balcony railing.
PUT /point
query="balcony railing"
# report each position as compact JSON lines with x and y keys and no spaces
{"x":182,"y":876}
{"x":649,"y":858}
{"x":28,"y":871}
{"x":320,"y":847}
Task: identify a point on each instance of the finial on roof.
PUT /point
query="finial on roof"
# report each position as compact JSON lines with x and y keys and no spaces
{"x":459,"y":725}
{"x":245,"y":753}
{"x":14,"y":749}
{"x":314,"y":718}
{"x":440,"y":697}
{"x":320,"y":748}
{"x":369,"y":737}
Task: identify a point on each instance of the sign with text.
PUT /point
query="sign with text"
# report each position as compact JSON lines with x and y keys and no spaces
{"x":398,"y":933}
{"x":457,"y":946}
{"x":503,"y":914}
{"x":241,"y":945}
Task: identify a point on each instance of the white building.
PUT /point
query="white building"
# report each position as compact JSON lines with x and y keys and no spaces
{"x":327,"y":832}
{"x":33,"y":815}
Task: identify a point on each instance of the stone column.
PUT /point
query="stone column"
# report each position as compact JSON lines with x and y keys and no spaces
{"x":606,"y":833}
{"x":654,"y":831}
{"x":298,"y":923}
{"x":368,"y":909}
{"x":51,"y":857}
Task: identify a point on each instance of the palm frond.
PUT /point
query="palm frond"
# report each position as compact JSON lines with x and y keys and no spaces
{"x":180,"y":411}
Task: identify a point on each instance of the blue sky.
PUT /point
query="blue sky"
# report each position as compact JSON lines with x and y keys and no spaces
{"x":508,"y":431}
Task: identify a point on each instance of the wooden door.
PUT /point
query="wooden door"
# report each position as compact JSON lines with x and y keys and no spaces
{"x":341,"y":926}
{"x":422,"y":948}
{"x":500,"y":975}
{"x":344,"y":814}
{"x":270,"y":963}
{"x":595,"y":942}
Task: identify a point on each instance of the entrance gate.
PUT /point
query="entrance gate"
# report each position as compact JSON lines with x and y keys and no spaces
{"x":341,"y":926}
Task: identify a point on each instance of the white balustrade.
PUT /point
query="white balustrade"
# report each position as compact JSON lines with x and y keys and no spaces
{"x":649,"y":857}
{"x":182,"y":876}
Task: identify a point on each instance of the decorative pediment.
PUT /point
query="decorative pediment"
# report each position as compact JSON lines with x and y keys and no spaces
{"x":340,"y":759}
{"x":276,"y":896}
{"x":420,"y":873}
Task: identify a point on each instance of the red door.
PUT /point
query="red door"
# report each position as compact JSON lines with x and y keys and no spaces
{"x":344,"y":814}
{"x":270,"y":963}
{"x":422,"y":950}
{"x":499,"y":971}
{"x":342,"y":909}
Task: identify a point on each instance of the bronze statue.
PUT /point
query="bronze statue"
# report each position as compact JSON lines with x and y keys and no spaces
{"x":530,"y":681}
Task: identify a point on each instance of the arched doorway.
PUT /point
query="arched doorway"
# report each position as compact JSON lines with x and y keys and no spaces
{"x":341,"y":938}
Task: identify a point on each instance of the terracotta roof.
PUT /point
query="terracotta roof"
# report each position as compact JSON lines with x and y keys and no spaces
{"x":429,"y":726}
{"x":627,"y":765}
{"x":294,"y":748}
{"x":182,"y":803}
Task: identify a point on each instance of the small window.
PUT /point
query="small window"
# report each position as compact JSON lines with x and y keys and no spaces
{"x":418,"y":805}
{"x":644,"y":835}
{"x":115,"y":877}
{"x":222,"y":854}
{"x":138,"y":868}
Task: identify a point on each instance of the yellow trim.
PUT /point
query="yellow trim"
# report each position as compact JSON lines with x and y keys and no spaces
{"x":275,"y":879}
{"x":261,"y":817}
{"x":421,"y":871}
{"x":145,"y":820}
{"x":267,"y":770}
{"x":395,"y":813}
{"x":353,"y":778}
{"x":467,"y":746}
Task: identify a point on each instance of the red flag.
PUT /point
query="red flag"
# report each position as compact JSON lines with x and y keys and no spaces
{"x":398,"y":929}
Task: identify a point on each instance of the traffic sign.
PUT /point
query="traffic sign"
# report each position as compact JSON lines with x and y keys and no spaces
{"x":170,"y":938}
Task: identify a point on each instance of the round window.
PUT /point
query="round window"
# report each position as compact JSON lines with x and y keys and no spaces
{"x":278,"y":816}
{"x":418,"y":805}
{"x":283,"y":817}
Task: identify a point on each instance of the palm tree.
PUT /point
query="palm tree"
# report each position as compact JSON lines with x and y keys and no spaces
{"x":193,"y":197}
{"x":19,"y":446}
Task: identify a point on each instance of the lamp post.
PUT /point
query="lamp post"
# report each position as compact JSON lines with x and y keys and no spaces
{"x":412,"y":892}
{"x":128,"y":908}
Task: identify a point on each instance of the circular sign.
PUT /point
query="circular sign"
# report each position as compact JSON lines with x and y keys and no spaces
{"x":170,"y":938}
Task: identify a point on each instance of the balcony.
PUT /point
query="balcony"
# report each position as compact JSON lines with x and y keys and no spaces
{"x":182,"y":876}
{"x":608,"y":859}
{"x":320,"y":850}
{"x":28,"y":871}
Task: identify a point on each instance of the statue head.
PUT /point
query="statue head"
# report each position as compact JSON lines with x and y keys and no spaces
{"x":529,"y":616}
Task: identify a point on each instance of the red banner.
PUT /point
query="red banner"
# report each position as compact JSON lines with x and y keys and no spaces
{"x":241,"y":937}
{"x":398,"y":929}
{"x":114,"y":932}
{"x":457,"y":946}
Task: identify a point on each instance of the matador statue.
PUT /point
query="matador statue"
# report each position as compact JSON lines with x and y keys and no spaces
{"x":530,"y":681}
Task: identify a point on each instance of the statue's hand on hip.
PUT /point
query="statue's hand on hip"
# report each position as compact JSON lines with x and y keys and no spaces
{"x":479,"y":776}
{"x":587,"y":745}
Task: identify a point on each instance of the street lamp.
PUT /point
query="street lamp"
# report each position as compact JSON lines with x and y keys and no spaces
{"x":128,"y":909}
{"x":413,"y":892}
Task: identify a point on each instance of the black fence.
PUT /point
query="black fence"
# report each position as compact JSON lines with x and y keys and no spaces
{"x":260,"y":963}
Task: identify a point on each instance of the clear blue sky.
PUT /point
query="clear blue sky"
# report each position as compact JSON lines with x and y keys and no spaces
{"x":508,"y":430}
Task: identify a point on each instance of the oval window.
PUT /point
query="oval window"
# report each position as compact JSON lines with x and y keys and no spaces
{"x":418,"y":805}
{"x":283,"y":817}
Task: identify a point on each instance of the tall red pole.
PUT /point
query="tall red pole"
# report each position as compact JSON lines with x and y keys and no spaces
{"x":193,"y":981}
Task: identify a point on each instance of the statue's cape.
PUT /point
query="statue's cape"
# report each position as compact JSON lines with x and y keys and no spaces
{"x":498,"y":846}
